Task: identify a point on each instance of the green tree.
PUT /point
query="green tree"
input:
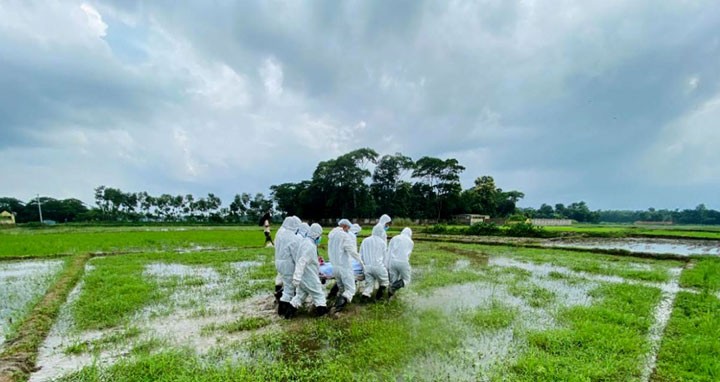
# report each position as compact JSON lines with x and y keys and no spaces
{"x":442,"y":176}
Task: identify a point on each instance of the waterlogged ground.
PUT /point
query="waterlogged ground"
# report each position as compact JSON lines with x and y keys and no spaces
{"x":22,"y":283}
{"x":683,"y":247}
{"x":472,"y":312}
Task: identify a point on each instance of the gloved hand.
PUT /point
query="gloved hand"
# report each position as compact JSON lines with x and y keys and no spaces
{"x":296,"y":283}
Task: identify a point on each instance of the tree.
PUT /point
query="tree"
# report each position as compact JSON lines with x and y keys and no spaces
{"x":386,"y":179}
{"x":443,"y":177}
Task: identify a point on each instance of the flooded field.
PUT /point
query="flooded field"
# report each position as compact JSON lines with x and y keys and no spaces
{"x":648,"y":245}
{"x":21,"y":284}
{"x":472,"y":313}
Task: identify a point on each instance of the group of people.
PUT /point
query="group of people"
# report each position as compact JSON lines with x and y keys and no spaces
{"x":298,"y":265}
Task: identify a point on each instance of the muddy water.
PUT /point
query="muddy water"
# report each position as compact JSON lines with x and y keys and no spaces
{"x":22,"y":283}
{"x":175,"y":322}
{"x":648,"y":245}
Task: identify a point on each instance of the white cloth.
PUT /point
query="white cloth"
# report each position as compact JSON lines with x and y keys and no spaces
{"x":286,"y":245}
{"x":399,"y":250}
{"x":306,"y":273}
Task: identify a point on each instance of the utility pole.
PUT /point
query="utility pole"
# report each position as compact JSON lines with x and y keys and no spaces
{"x":39,"y":208}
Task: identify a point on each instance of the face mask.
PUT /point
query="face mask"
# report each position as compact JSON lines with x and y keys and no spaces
{"x":318,"y":240}
{"x":386,"y":228}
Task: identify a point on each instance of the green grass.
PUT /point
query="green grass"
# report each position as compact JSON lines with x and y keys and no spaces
{"x":691,"y":347}
{"x":50,"y":242}
{"x":375,"y":344}
{"x":240,"y":325}
{"x":603,"y":342}
{"x":497,"y":316}
{"x":696,"y":232}
{"x":116,"y":288}
{"x":705,"y":274}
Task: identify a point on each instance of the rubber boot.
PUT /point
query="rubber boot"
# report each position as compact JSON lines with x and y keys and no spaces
{"x":282,"y":307}
{"x":398,"y":284}
{"x":321,"y":311}
{"x":340,"y":303}
{"x":278,"y":292}
{"x":380,"y":293}
{"x":364,"y":299}
{"x":290,"y":311}
{"x":334,"y":291}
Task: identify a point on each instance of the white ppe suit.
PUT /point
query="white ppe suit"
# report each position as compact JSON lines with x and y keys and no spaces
{"x":373,"y":251}
{"x":399,"y":251}
{"x":305,"y":277}
{"x":286,"y":244}
{"x":341,"y":247}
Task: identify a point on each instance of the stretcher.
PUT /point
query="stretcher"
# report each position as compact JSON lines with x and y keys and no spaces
{"x":326,"y":271}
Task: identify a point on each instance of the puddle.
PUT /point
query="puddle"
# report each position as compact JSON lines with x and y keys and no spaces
{"x":21,"y":284}
{"x":648,"y":245}
{"x":178,"y":321}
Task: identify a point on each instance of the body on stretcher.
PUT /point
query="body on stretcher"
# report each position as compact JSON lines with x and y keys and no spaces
{"x":326,"y":271}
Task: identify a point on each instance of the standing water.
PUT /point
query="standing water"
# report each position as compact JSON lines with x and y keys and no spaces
{"x":648,"y":245}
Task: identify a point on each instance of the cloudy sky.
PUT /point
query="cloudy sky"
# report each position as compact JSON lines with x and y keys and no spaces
{"x":613,"y":102}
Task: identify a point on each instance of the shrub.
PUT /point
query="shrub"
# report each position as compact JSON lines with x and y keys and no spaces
{"x":436,"y":229}
{"x":525,"y":230}
{"x":484,"y":229}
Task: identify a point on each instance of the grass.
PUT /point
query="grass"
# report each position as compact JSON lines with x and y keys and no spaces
{"x":690,"y":350}
{"x":603,"y":342}
{"x":375,"y":345}
{"x":116,"y":288}
{"x":497,"y":316}
{"x":705,"y":274}
{"x":240,"y":325}
{"x":50,"y":242}
{"x":390,"y":340}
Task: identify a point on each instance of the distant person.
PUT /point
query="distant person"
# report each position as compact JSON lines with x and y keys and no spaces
{"x":305,"y":277}
{"x":399,"y":250}
{"x":373,"y":252}
{"x":341,"y":247}
{"x":266,"y":228}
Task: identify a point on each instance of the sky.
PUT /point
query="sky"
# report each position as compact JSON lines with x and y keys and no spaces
{"x":616,"y":103}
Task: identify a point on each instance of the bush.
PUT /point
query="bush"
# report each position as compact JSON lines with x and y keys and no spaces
{"x":436,"y":229}
{"x":525,"y":230}
{"x":483,"y":229}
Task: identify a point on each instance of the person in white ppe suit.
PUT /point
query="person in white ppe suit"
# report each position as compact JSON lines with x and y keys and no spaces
{"x":384,"y":223}
{"x":398,"y":262}
{"x":305,"y":277}
{"x":286,"y":244}
{"x":373,"y":252}
{"x":342,"y":246}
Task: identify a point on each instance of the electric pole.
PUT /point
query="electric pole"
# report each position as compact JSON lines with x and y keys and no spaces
{"x":39,"y":208}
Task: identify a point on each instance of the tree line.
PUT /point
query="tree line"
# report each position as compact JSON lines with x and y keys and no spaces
{"x":359,"y":184}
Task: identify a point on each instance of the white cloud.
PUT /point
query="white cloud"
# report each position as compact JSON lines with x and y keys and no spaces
{"x":272,"y":76}
{"x":94,"y":20}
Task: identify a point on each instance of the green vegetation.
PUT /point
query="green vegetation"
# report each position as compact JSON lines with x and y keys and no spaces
{"x":116,"y":287}
{"x":690,"y":349}
{"x":704,"y":274}
{"x":603,"y":342}
{"x":424,"y":333}
{"x":497,"y":316}
{"x":48,"y":242}
{"x":239,"y":325}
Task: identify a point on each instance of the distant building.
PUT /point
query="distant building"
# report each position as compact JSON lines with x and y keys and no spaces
{"x":7,"y":218}
{"x":641,"y":222}
{"x":550,"y":222}
{"x":470,"y":219}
